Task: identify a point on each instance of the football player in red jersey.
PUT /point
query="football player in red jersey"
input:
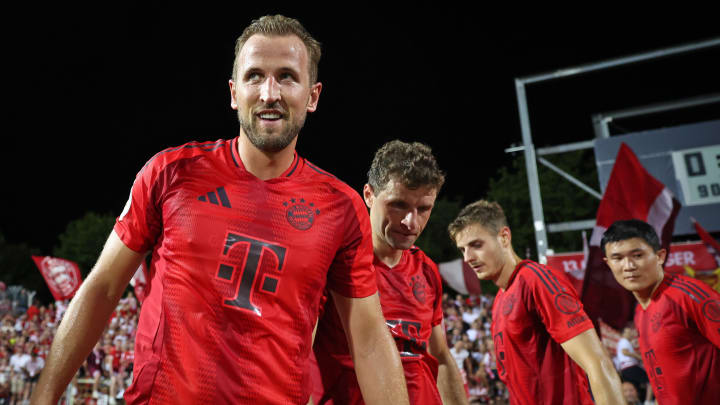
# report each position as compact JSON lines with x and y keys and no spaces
{"x":678,"y":319}
{"x":244,"y":236}
{"x":539,"y":328}
{"x":403,"y":182}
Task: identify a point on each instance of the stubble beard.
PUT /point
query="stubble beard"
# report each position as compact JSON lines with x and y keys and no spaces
{"x":268,"y":141}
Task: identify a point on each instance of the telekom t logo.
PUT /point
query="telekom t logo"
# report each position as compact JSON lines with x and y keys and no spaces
{"x":249,"y":268}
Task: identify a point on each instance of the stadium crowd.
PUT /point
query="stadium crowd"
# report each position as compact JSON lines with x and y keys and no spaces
{"x":26,"y":333}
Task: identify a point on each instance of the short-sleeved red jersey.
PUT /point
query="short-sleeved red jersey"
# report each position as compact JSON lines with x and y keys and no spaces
{"x":411,"y":300}
{"x":238,"y":268}
{"x":537,"y":312}
{"x":679,"y":335}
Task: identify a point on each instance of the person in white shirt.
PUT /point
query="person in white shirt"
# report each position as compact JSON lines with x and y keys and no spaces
{"x":629,"y":363}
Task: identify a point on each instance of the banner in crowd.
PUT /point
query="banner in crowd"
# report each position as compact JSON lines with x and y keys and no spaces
{"x":460,"y":277}
{"x":631,"y":193}
{"x":693,"y":254}
{"x":139,"y":282}
{"x":62,"y":276}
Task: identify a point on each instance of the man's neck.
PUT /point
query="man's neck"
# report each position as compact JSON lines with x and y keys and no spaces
{"x":386,"y":253}
{"x":265,"y":165}
{"x":511,"y":261}
{"x":645,"y":296}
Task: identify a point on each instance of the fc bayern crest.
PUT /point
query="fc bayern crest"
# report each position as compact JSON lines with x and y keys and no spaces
{"x":300,"y":214}
{"x":62,"y":276}
{"x":418,"y":288}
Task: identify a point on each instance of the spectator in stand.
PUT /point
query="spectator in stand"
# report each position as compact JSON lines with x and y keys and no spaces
{"x":475,"y":330}
{"x":630,"y":393}
{"x":629,"y":363}
{"x":32,"y":373}
{"x":460,"y":354}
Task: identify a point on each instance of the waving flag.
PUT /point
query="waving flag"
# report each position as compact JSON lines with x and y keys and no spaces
{"x":62,"y":276}
{"x":460,"y":277}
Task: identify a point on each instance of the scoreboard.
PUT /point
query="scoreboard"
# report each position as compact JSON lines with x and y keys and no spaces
{"x":697,"y":171}
{"x":685,"y":158}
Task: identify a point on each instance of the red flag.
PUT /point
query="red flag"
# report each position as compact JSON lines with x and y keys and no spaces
{"x":62,"y":276}
{"x":631,"y":193}
{"x":712,"y":245}
{"x":139,"y":282}
{"x":461,"y":277}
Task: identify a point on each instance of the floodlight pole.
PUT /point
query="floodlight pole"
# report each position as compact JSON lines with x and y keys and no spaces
{"x":532,"y":173}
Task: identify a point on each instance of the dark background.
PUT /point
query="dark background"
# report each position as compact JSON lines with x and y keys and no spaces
{"x":92,"y":92}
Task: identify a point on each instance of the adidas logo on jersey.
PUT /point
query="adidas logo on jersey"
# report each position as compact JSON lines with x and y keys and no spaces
{"x":220,"y":198}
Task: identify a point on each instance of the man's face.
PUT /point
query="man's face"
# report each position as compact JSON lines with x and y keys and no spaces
{"x":634,"y":264}
{"x":482,"y":250}
{"x":398,"y":214}
{"x":273,"y":93}
{"x":630,"y":393}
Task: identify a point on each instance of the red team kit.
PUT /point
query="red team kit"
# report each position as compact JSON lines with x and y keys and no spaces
{"x":233,"y":273}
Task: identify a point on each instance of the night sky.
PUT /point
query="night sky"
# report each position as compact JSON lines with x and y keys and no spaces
{"x":94,"y":93}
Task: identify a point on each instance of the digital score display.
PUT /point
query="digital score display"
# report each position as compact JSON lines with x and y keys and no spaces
{"x":698,"y":174}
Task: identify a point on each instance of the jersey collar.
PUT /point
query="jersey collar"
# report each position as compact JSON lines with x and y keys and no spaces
{"x":293,"y":170}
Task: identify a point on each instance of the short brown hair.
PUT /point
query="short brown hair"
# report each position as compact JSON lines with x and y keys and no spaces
{"x":412,"y":164}
{"x":279,"y":25}
{"x":488,"y":214}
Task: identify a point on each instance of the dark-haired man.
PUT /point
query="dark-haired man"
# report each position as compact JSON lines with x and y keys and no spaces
{"x":245,"y":235}
{"x":403,"y":182}
{"x":678,"y":319}
{"x":540,"y":331}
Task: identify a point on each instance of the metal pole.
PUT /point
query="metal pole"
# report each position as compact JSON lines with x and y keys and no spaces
{"x":532,"y":173}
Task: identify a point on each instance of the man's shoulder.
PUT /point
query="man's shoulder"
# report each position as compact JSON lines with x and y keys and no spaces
{"x":313,"y":173}
{"x":187,"y":151}
{"x":684,"y":289}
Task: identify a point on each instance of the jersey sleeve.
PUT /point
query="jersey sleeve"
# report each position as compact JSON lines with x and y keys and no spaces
{"x":140,"y":223}
{"x":556,"y":303}
{"x":352,"y":273}
{"x":437,"y":317}
{"x":702,"y":306}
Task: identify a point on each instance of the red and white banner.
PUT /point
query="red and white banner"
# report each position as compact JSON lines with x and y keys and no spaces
{"x":460,"y":277}
{"x":693,"y":254}
{"x":139,"y":282}
{"x":62,"y":276}
{"x":631,"y":193}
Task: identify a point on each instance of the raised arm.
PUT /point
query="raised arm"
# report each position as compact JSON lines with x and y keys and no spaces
{"x":377,"y":362}
{"x":586,"y":350}
{"x":86,"y":318}
{"x":449,"y":380}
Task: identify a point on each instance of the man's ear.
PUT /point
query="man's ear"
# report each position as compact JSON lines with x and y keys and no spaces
{"x":368,"y":195}
{"x":505,"y":237}
{"x":661,"y":254}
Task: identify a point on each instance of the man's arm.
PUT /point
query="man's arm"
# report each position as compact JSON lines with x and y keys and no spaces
{"x":449,"y":380}
{"x":377,"y":362}
{"x":86,"y":318}
{"x":586,"y":350}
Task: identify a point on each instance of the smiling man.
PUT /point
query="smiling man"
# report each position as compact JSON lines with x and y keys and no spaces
{"x":540,"y":331}
{"x":244,"y":236}
{"x":403,"y":182}
{"x":678,"y":318}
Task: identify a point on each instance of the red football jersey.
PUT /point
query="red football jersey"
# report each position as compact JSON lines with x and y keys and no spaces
{"x":238,"y":268}
{"x":537,"y":312}
{"x":679,"y":335}
{"x":411,"y":299}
